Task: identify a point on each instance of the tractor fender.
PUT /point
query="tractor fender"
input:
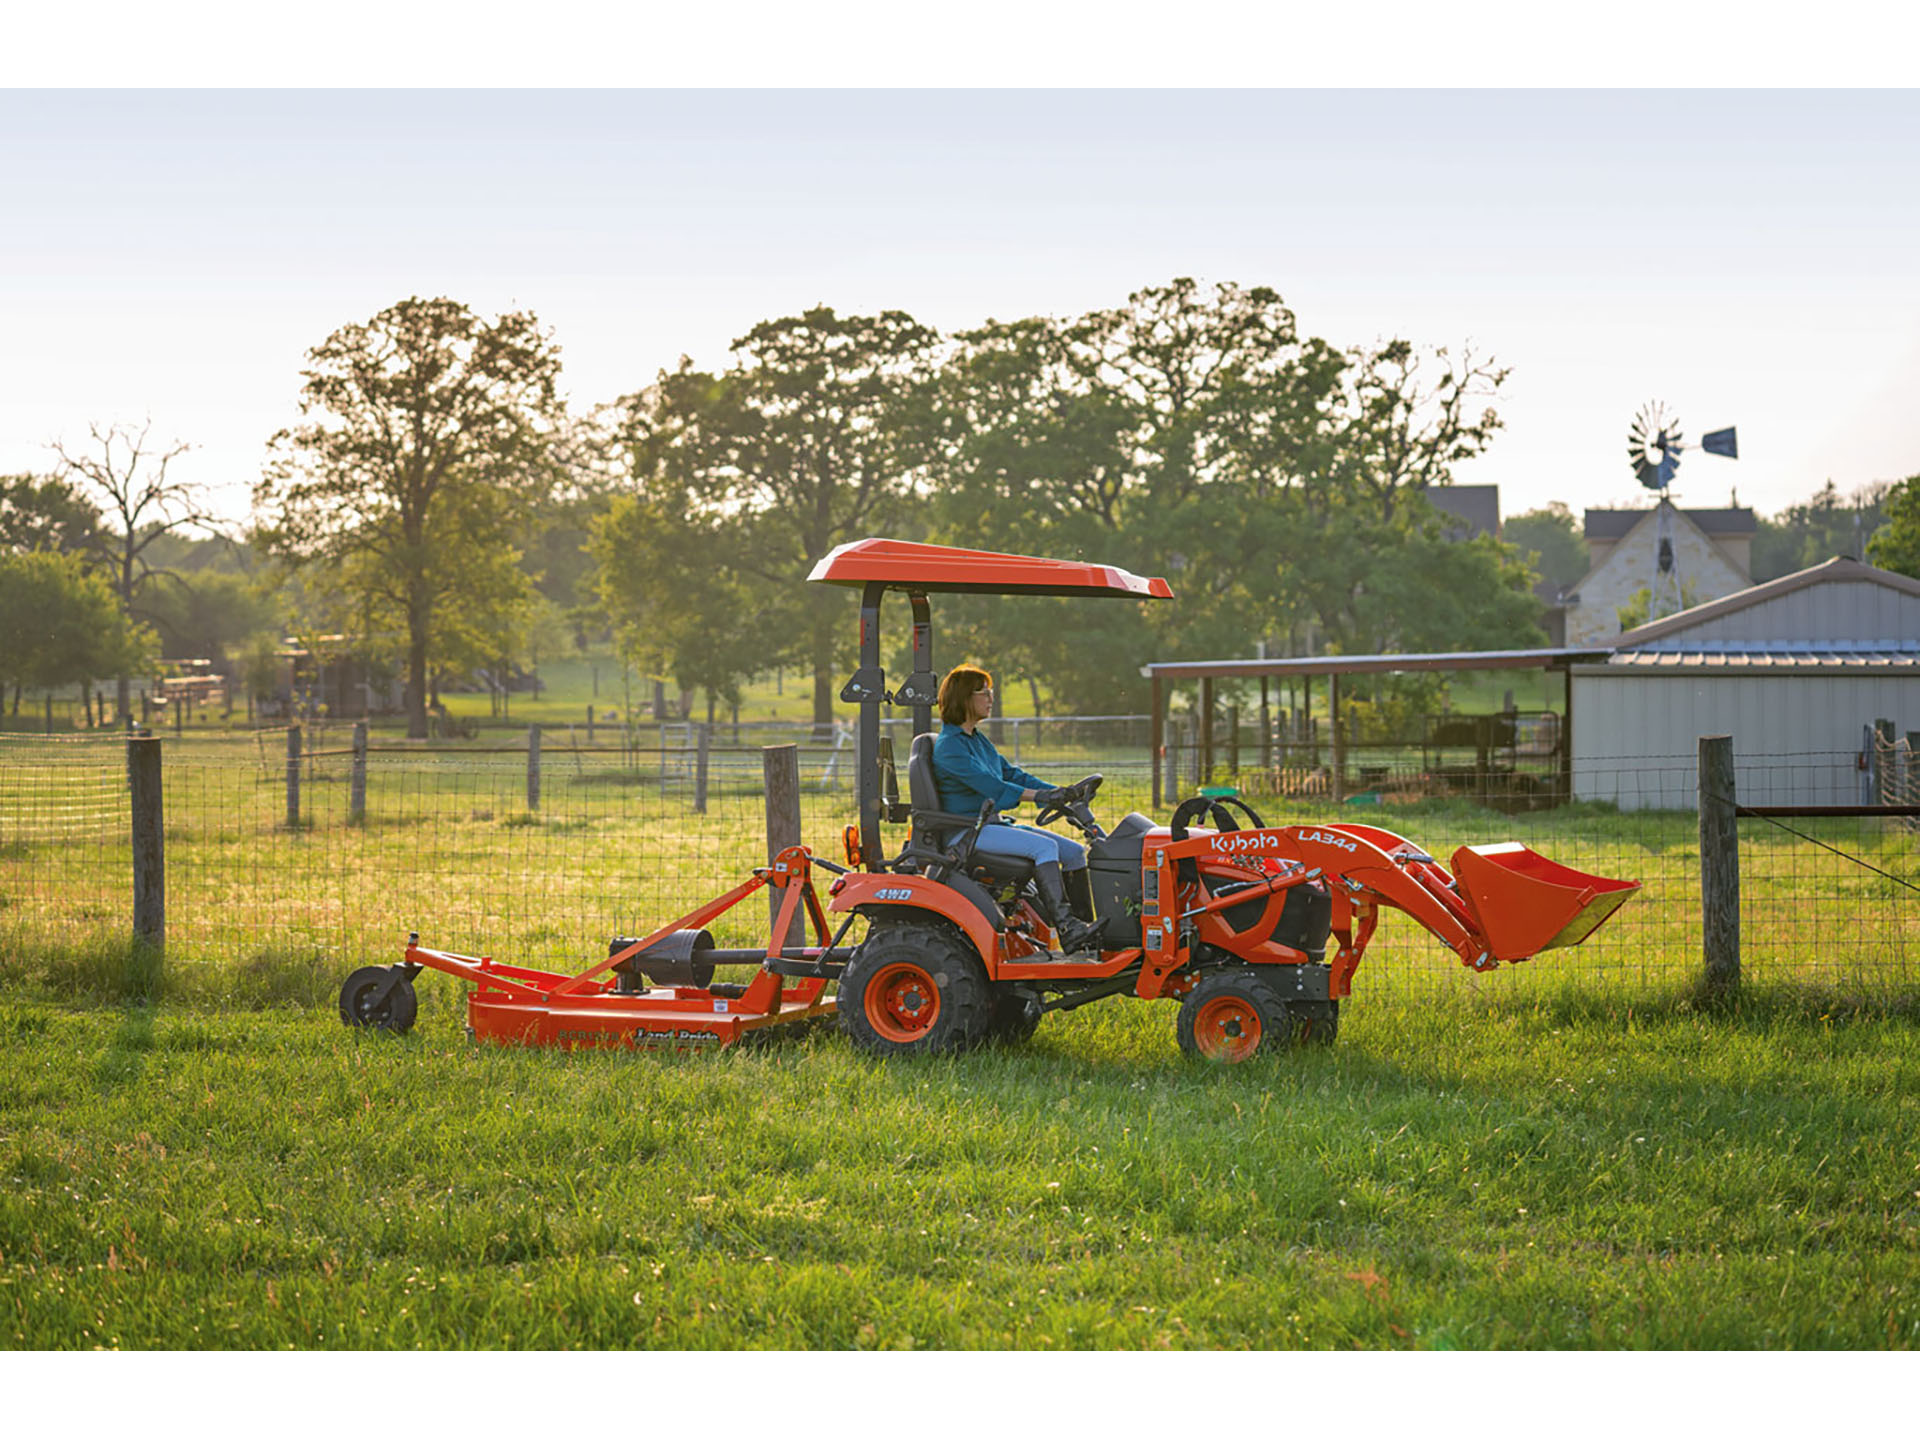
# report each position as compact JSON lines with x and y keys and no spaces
{"x":959,"y":900}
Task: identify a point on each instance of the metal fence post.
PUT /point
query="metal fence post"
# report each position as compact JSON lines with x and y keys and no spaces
{"x":149,"y":844}
{"x":533,"y":769}
{"x":1719,"y":864}
{"x":700,"y":771}
{"x":357,"y":789}
{"x":293,"y":777}
{"x":780,"y":768}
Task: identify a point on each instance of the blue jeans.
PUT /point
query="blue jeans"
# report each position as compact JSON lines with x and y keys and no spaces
{"x":1031,"y":843}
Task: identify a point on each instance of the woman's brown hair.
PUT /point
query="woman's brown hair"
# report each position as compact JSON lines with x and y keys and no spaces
{"x":963,"y":682}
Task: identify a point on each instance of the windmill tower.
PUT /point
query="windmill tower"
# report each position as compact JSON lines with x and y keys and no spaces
{"x":1654,"y":444}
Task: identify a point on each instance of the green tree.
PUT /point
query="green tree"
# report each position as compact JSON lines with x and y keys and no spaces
{"x":798,"y":446}
{"x":1896,"y":544}
{"x":1194,"y":432}
{"x":66,"y":625}
{"x":424,"y":431}
{"x":1823,"y":526}
{"x":46,"y":513}
{"x":1552,"y":536}
{"x":672,"y":612}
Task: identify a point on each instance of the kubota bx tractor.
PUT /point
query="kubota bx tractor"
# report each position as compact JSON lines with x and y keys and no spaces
{"x":1256,"y":930}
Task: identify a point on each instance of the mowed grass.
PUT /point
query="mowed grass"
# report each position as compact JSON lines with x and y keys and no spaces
{"x":1474,"y":1173}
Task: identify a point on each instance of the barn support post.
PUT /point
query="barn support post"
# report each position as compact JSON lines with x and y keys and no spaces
{"x":1266,"y":727}
{"x":1206,"y":729}
{"x":780,"y":768}
{"x":1339,"y":740}
{"x":1566,"y":737}
{"x":357,"y":789}
{"x":149,"y":848}
{"x":533,"y":769}
{"x":1719,"y":865}
{"x":1157,"y":740}
{"x":293,"y":777}
{"x":1233,"y":741}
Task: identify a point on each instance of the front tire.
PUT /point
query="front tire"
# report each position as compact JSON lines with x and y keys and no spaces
{"x":1233,"y":1016}
{"x":1316,"y":1022}
{"x":914,"y":989}
{"x":1015,"y":1017}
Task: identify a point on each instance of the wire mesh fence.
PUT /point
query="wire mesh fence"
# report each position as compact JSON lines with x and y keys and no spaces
{"x":449,"y":845}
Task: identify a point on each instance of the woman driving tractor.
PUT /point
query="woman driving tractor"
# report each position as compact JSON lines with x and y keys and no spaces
{"x":969,"y":772}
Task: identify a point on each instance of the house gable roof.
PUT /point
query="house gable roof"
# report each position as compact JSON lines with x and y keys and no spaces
{"x":1643,"y":518}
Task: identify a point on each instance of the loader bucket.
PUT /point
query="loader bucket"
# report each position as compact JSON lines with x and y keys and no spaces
{"x":1526,"y":903}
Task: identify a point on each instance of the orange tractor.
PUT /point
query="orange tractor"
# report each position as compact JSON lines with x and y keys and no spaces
{"x":1255,"y":930}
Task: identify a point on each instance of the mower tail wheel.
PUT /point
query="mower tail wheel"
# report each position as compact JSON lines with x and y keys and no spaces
{"x":1315,"y":1022}
{"x":359,"y":1008}
{"x":1233,"y":1016}
{"x":915,"y":989}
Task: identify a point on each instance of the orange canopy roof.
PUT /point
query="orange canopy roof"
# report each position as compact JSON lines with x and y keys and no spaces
{"x":906,"y":565}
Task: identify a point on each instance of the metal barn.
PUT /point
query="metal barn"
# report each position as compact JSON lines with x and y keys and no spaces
{"x":1793,"y":670}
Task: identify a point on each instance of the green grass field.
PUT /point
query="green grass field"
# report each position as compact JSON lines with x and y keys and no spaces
{"x":1571,"y":1153}
{"x":1559,"y":1173}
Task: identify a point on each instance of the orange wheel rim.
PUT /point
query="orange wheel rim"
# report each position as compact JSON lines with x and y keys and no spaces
{"x":902,"y":1003}
{"x":1227,"y":1028}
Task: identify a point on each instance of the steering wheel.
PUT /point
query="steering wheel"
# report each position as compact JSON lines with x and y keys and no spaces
{"x":1079,"y":793}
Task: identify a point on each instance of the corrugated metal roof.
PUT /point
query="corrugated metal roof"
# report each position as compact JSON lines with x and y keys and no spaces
{"x":1790,"y":659}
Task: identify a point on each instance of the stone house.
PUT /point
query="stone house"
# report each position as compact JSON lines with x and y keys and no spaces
{"x":1682,"y":557}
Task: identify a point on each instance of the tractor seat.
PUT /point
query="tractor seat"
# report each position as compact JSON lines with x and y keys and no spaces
{"x":935,"y":827}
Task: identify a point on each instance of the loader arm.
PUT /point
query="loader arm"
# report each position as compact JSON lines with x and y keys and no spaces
{"x":1507,"y":903}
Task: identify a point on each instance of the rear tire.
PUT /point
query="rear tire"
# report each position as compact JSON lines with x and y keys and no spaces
{"x":396,"y":1013}
{"x":914,"y":989}
{"x":1232,"y":1016}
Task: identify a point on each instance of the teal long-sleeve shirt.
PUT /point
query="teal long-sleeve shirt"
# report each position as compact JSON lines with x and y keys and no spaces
{"x":969,"y":770}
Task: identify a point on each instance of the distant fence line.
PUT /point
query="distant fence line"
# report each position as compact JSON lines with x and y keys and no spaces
{"x":334,"y":850}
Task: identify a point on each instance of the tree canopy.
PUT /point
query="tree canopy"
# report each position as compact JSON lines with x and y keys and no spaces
{"x":65,"y":624}
{"x":1896,"y":544}
{"x":752,"y":474}
{"x":423,"y":431}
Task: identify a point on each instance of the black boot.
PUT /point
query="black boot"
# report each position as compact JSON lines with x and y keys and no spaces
{"x":1080,"y":893}
{"x":1071,"y":932}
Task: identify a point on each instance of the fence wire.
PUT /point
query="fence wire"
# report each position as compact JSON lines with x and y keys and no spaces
{"x":450,"y":847}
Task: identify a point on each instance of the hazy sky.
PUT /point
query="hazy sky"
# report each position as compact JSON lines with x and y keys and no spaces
{"x":1749,"y":258}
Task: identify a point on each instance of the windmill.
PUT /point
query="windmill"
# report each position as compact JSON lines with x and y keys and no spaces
{"x":1654,"y":444}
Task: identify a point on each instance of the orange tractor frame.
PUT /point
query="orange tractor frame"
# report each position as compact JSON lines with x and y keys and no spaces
{"x":1255,"y":930}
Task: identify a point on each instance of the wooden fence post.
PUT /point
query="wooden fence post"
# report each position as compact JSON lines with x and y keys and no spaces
{"x":700,"y":771}
{"x":357,"y":788}
{"x":533,"y":769}
{"x":149,"y":845}
{"x":1233,"y":741}
{"x":1719,"y":864}
{"x":590,"y":718}
{"x":293,"y":777}
{"x":780,"y":767}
